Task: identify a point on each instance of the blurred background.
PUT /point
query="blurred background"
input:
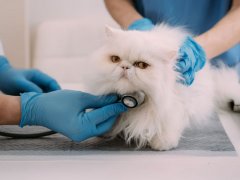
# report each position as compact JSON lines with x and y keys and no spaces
{"x":52,"y":35}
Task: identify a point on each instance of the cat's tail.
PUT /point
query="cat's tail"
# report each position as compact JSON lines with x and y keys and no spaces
{"x":227,"y":88}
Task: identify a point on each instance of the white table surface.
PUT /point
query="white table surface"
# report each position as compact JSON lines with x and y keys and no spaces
{"x":128,"y":165}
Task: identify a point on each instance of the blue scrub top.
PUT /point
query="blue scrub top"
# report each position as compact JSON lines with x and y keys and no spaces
{"x":197,"y":16}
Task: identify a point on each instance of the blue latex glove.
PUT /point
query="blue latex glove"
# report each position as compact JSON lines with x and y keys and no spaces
{"x":143,"y":24}
{"x":64,"y":111}
{"x":14,"y":82}
{"x":192,"y":59}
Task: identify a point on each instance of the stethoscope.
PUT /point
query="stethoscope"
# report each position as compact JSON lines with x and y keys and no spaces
{"x":132,"y":100}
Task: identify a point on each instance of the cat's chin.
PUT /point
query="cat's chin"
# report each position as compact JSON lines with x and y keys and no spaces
{"x":124,"y":86}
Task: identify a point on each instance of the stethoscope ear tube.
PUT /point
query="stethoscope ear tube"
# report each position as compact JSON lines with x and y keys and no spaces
{"x":26,"y":136}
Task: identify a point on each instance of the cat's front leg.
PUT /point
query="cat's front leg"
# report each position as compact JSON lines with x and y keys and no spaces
{"x":169,"y":136}
{"x":164,"y":142}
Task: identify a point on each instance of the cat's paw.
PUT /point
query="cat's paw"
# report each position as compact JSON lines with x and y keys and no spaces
{"x":163,"y":144}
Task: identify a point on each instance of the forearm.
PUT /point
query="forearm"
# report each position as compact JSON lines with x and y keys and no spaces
{"x":122,"y":11}
{"x":224,"y":35}
{"x":10,"y":112}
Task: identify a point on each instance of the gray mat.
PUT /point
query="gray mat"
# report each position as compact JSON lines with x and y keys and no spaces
{"x":208,"y":138}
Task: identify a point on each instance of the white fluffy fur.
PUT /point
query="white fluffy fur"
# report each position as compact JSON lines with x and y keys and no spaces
{"x":169,"y":105}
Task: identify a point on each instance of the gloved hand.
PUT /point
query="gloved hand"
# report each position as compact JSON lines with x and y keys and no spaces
{"x":143,"y":24}
{"x":14,"y":82}
{"x":192,"y":59}
{"x":64,"y":111}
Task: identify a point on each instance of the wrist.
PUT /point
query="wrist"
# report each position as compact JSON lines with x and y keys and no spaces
{"x":205,"y":42}
{"x":10,"y":110}
{"x":28,"y":110}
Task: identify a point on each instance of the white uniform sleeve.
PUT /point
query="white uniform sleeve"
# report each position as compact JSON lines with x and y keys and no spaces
{"x":1,"y":49}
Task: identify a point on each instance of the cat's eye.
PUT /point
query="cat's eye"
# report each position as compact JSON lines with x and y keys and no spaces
{"x":115,"y":59}
{"x":141,"y":64}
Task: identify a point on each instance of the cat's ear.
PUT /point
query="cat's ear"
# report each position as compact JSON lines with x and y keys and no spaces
{"x":110,"y":31}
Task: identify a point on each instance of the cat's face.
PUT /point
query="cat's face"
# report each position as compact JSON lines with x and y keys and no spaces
{"x":131,"y":61}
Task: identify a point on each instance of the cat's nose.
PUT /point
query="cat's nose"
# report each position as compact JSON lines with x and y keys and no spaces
{"x":125,"y":67}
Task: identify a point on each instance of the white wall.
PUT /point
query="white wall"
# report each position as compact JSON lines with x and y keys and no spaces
{"x":41,"y":10}
{"x":91,"y":15}
{"x":14,"y":31}
{"x":63,"y":31}
{"x":19,"y":20}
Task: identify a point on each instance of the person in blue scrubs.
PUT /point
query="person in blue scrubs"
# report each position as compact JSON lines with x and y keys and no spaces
{"x":214,"y":23}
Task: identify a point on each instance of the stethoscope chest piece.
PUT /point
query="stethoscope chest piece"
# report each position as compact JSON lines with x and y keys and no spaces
{"x":133,"y":100}
{"x":129,"y":101}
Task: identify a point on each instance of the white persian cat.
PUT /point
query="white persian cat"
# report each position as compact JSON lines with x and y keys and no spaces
{"x":132,"y":61}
